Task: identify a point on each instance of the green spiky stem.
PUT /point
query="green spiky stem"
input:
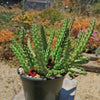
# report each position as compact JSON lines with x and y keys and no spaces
{"x":43,"y":36}
{"x":51,"y":38}
{"x":22,"y":61}
{"x":68,"y":31}
{"x":18,"y":47}
{"x":79,"y":48}
{"x":82,"y":43}
{"x":58,"y":56}
{"x":30,"y":48}
{"x":48,"y":50}
{"x":60,"y":39}
{"x":70,"y":24}
{"x":66,"y":55}
{"x":55,"y":72}
{"x":29,"y":56}
{"x":47,"y":53}
{"x":77,"y":71}
{"x":81,"y":60}
{"x":39,"y":49}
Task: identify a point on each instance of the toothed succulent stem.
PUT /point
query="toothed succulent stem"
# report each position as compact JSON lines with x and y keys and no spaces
{"x":48,"y":50}
{"x":43,"y":37}
{"x":20,"y":49}
{"x":77,"y":70}
{"x":70,"y":24}
{"x":82,"y":43}
{"x":39,"y":49}
{"x":22,"y":61}
{"x":66,"y":54}
{"x":30,"y":47}
{"x":81,"y":60}
{"x":59,"y":55}
{"x":60,"y":39}
{"x":51,"y":38}
{"x":29,"y":56}
{"x":47,"y":53}
{"x":55,"y":72}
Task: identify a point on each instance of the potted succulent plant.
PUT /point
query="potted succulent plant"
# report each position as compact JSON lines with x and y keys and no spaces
{"x":50,"y":66}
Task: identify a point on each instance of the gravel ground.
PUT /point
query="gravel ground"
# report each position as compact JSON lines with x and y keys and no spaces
{"x":88,"y":86}
{"x":10,"y":83}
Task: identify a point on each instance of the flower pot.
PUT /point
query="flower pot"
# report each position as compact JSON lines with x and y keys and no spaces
{"x":41,"y":89}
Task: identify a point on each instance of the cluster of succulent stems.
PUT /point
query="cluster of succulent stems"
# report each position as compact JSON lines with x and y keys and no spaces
{"x":49,"y":62}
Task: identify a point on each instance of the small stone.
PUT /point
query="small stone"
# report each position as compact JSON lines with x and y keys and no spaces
{"x":27,"y":75}
{"x":30,"y":76}
{"x":21,"y":70}
{"x":58,"y":75}
{"x":37,"y":76}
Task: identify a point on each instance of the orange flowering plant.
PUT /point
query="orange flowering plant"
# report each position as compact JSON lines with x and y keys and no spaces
{"x":79,"y":25}
{"x":5,"y":35}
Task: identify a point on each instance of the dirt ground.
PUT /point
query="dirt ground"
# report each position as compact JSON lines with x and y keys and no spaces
{"x":88,"y":87}
{"x":10,"y":84}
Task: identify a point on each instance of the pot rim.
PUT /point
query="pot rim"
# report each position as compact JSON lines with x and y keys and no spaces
{"x":40,"y":79}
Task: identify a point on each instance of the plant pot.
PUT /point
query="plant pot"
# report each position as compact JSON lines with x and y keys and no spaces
{"x":41,"y":89}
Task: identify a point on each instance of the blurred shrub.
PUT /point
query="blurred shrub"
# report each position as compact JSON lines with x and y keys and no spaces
{"x":5,"y":35}
{"x":24,"y":20}
{"x":98,"y":27}
{"x":77,"y":26}
{"x":51,"y":14}
{"x":42,"y":21}
{"x":96,"y":8}
{"x":57,"y":4}
{"x":97,"y":11}
{"x":56,"y":27}
{"x":94,"y":42}
{"x":5,"y":19}
{"x":48,"y":18}
{"x":78,"y":7}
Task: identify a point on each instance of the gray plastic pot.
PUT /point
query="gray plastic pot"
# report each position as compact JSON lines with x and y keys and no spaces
{"x":41,"y":89}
